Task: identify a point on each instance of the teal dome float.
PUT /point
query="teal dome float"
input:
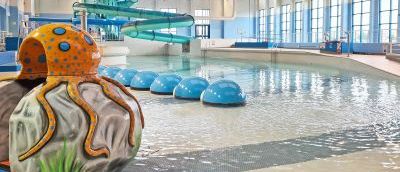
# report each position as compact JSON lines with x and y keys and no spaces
{"x":224,"y":92}
{"x":190,"y":88}
{"x":110,"y":72}
{"x":143,"y":80}
{"x":125,"y":76}
{"x":101,"y":68}
{"x":165,"y":84}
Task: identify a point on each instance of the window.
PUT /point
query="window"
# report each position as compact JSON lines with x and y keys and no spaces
{"x":271,"y":32}
{"x":317,"y":15}
{"x":388,"y":20}
{"x":298,"y":21}
{"x":361,"y":16}
{"x":203,"y":14}
{"x":262,"y":19}
{"x":202,"y":25}
{"x":285,"y":23}
{"x":336,"y":13}
{"x":168,"y":30}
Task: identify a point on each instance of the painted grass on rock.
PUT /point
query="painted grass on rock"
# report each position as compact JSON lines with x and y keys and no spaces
{"x":63,"y":161}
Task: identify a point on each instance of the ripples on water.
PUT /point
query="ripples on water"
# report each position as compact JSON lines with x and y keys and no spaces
{"x":308,"y":109}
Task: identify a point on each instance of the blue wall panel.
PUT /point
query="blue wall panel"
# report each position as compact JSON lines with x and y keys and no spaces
{"x":13,"y":19}
{"x":7,"y":57}
{"x":183,"y":31}
{"x":369,"y":48}
{"x":192,"y":31}
{"x":2,"y":18}
{"x":239,"y":24}
{"x":216,"y":29}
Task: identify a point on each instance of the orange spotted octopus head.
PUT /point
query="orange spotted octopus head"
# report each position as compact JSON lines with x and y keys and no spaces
{"x":58,"y":50}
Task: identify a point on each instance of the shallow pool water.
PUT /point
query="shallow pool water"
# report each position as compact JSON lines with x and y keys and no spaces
{"x":297,"y":118}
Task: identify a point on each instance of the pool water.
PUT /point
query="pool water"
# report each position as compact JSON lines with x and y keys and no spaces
{"x":297,"y":118}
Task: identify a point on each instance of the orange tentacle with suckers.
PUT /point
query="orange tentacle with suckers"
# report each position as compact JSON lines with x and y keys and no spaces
{"x":123,"y":88}
{"x":52,"y":121}
{"x":77,"y":98}
{"x":113,"y":96}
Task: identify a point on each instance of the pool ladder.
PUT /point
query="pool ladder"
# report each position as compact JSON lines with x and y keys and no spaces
{"x":274,"y":52}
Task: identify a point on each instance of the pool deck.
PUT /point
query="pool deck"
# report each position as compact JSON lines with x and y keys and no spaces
{"x":376,"y":61}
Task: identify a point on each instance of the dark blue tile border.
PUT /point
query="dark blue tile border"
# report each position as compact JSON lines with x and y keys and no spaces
{"x":10,"y":68}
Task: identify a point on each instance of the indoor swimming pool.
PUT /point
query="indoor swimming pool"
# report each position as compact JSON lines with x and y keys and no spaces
{"x":297,"y":118}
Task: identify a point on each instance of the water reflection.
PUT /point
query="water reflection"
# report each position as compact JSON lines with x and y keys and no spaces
{"x":308,"y":112}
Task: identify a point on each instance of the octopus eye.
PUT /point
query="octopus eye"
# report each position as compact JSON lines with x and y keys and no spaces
{"x":59,"y":31}
{"x":64,"y":46}
{"x":88,"y":40}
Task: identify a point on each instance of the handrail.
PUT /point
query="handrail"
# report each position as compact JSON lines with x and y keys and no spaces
{"x":3,"y":35}
{"x":367,"y":36}
{"x":394,"y":46}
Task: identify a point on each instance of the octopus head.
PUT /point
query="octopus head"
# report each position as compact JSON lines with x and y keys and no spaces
{"x":58,"y":50}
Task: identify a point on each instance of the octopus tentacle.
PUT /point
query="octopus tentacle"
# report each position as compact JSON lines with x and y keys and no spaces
{"x":77,"y":98}
{"x":110,"y":94}
{"x":48,"y":86}
{"x":123,"y":88}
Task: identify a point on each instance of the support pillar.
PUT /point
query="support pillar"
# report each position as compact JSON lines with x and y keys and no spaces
{"x":83,"y":20}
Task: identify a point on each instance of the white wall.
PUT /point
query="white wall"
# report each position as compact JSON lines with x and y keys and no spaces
{"x":197,"y":47}
{"x":141,"y":47}
{"x":182,"y":6}
{"x":53,"y":7}
{"x":219,"y":8}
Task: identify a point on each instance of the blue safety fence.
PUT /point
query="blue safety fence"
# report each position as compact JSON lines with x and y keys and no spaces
{"x":253,"y":45}
{"x":12,"y":43}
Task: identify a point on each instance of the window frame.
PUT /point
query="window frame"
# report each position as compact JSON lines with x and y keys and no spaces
{"x":392,"y":9}
{"x":335,"y":28}
{"x":285,"y":22}
{"x":319,"y":19}
{"x":271,"y":21}
{"x":298,"y":21}
{"x":202,"y":24}
{"x":262,"y":24}
{"x":358,"y":35}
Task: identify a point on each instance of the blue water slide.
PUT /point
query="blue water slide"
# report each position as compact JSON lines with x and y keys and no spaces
{"x":143,"y":29}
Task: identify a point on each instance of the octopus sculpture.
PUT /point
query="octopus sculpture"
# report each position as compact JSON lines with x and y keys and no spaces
{"x":64,"y":54}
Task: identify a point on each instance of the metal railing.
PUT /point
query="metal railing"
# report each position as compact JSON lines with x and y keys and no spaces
{"x":99,"y":33}
{"x":394,"y":46}
{"x":357,"y":36}
{"x":112,"y":37}
{"x":3,"y":35}
{"x":291,"y":37}
{"x":275,"y":46}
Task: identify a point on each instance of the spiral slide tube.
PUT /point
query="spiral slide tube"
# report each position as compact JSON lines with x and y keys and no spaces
{"x":143,"y":29}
